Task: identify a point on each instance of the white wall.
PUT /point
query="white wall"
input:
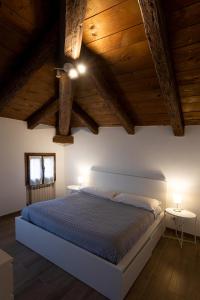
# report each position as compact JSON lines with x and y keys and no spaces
{"x":152,"y":151}
{"x":15,"y":140}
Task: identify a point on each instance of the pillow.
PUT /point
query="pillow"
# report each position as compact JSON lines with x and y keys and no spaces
{"x":157,"y":210}
{"x":139,"y":201}
{"x":98,"y":192}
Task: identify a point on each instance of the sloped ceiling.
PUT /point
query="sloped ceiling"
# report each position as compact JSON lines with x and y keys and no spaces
{"x":114,"y":30}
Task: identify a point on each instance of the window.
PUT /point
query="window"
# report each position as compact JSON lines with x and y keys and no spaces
{"x":40,"y":168}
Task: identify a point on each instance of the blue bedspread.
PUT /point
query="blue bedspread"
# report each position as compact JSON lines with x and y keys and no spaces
{"x":104,"y":227}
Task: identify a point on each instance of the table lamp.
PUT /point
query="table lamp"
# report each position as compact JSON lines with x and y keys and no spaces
{"x":80,"y":180}
{"x":177,"y":200}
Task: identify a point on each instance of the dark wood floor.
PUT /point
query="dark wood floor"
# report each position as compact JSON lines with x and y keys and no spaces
{"x":171,"y":273}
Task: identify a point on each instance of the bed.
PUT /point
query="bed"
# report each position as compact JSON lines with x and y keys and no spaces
{"x":108,"y":256}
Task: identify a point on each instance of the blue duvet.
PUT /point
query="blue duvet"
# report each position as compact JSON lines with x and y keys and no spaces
{"x":106,"y":228}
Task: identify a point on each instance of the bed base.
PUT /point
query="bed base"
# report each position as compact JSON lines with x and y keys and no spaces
{"x":113,"y":281}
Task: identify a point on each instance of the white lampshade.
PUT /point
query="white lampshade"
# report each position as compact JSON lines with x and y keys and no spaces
{"x":177,"y":198}
{"x":80,"y":180}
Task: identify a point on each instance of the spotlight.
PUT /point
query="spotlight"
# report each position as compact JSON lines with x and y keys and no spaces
{"x":81,"y":68}
{"x":73,"y":74}
{"x":58,"y":73}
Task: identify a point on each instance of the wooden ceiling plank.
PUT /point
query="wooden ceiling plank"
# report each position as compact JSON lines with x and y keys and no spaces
{"x":75,"y":14}
{"x":115,"y":19}
{"x":187,"y":58}
{"x":192,"y":115}
{"x":85,"y":118}
{"x":127,"y":37}
{"x":186,"y":36}
{"x":50,"y":108}
{"x":138,"y":63}
{"x":137,"y":51}
{"x":30,"y":61}
{"x":95,"y":7}
{"x":185,"y":17}
{"x":108,"y":88}
{"x":171,"y":6}
{"x":155,"y":29}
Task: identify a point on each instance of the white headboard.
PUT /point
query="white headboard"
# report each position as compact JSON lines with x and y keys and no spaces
{"x":119,"y":182}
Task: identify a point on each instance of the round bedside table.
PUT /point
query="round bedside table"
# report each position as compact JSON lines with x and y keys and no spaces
{"x":73,"y":188}
{"x":179,"y":218}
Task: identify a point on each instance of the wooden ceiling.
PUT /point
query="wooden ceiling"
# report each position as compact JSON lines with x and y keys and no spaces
{"x":114,"y":30}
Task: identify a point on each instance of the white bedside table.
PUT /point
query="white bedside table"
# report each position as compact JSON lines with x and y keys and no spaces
{"x":73,"y":188}
{"x":180,"y":217}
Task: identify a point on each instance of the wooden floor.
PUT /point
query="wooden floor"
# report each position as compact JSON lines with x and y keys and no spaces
{"x":171,"y":273}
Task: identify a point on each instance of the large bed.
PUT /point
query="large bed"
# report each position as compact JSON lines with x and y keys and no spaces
{"x":101,"y":242}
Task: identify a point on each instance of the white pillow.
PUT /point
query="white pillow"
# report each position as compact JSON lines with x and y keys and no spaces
{"x":98,"y":192}
{"x":139,"y":201}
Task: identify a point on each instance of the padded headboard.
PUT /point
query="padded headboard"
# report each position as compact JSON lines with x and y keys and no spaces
{"x":119,"y":182}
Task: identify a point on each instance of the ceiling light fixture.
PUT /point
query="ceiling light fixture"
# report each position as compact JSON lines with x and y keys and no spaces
{"x":81,"y":68}
{"x":73,"y":73}
{"x":58,"y":73}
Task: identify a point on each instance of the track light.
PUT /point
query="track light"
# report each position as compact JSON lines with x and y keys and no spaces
{"x":73,"y":73}
{"x":81,"y":68}
{"x":58,"y":73}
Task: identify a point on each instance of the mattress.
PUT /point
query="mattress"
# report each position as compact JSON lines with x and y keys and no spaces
{"x":101,"y":226}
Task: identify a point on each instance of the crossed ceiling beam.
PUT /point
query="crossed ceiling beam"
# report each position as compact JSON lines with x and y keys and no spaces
{"x":52,"y":107}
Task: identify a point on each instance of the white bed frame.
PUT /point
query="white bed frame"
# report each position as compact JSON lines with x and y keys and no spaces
{"x":113,"y":281}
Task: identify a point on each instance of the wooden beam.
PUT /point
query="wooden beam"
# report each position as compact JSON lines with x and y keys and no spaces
{"x":51,"y":107}
{"x":31,"y":60}
{"x":108,"y":88}
{"x":156,"y":33}
{"x":65,"y":103}
{"x":48,"y":109}
{"x":85,"y":118}
{"x":71,"y":31}
{"x":63,"y":139}
{"x":107,"y":91}
{"x":75,"y":13}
